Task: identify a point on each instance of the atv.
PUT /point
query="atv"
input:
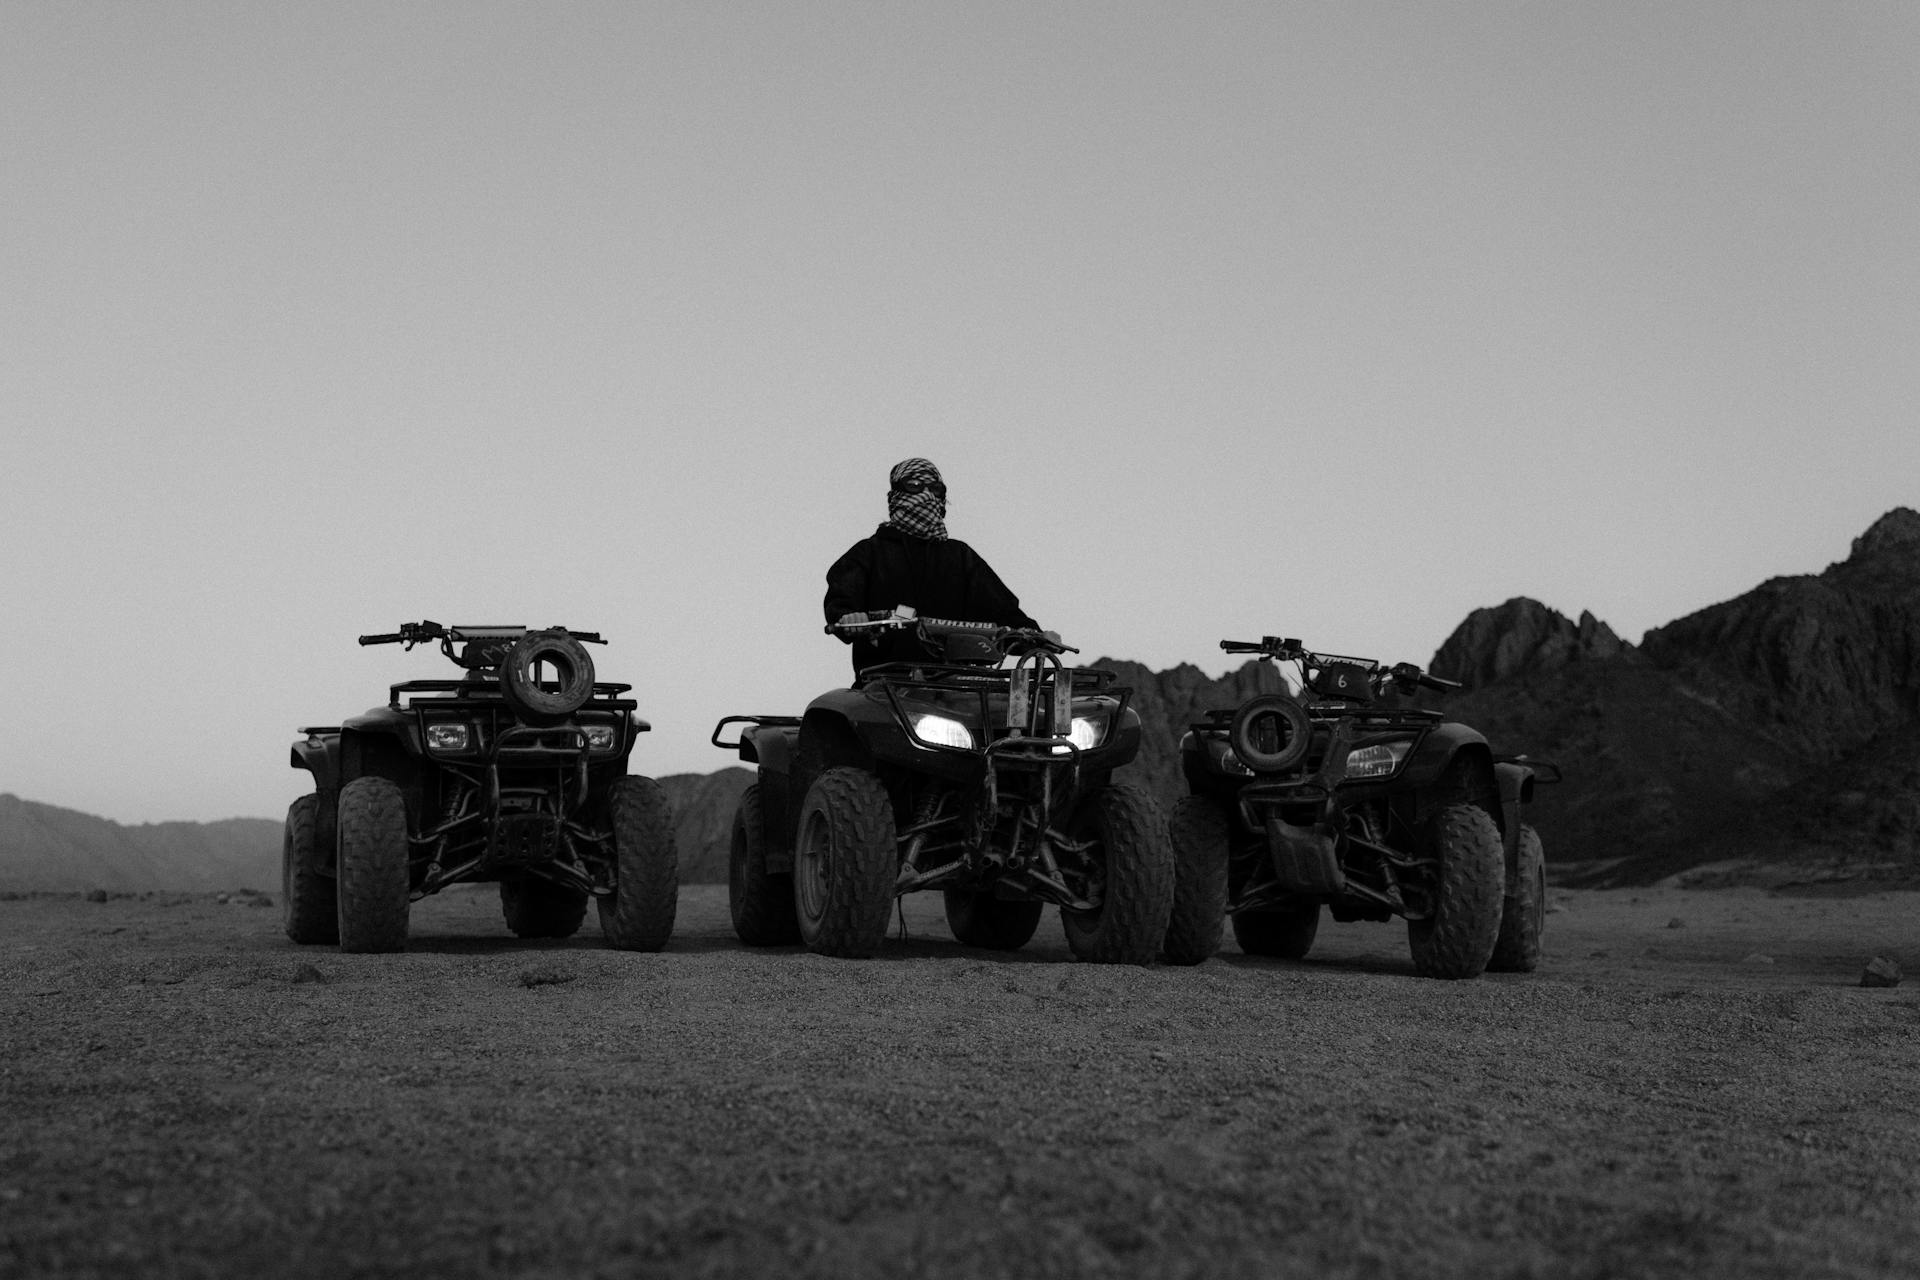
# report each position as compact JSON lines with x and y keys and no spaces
{"x":1348,"y":798}
{"x":988,"y":782}
{"x":516,"y":773}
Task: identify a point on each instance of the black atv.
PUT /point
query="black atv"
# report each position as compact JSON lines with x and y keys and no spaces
{"x":516,"y":773}
{"x":988,"y":782}
{"x":1347,"y":799}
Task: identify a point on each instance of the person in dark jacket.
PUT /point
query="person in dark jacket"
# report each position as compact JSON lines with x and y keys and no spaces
{"x":910,"y":560}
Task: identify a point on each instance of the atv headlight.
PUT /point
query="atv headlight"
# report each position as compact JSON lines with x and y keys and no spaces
{"x":1087,"y":733}
{"x":447,"y":737}
{"x":600,"y":737}
{"x":941,"y":731}
{"x":1376,"y":761}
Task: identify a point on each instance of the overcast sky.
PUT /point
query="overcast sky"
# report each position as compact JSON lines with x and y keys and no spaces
{"x":1331,"y":320}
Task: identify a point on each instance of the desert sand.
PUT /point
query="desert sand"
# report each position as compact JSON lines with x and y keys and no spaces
{"x":1693,"y":1084}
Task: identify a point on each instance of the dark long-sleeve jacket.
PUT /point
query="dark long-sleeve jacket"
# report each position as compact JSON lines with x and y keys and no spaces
{"x":939,"y":577}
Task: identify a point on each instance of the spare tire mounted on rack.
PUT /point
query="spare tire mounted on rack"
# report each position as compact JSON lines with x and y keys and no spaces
{"x":546,"y":676}
{"x":1271,"y":733}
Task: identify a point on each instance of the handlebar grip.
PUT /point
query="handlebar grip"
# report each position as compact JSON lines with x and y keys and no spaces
{"x":1242,"y":646}
{"x":394,"y":638}
{"x":1440,"y":683}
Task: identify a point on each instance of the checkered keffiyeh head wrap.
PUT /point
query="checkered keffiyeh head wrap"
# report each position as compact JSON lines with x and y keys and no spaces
{"x":921,"y":514}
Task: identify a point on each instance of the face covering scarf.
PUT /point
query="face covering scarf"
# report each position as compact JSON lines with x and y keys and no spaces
{"x":922,"y":513}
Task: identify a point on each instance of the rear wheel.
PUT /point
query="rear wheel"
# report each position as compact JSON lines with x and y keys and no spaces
{"x":373,"y":888}
{"x":760,"y":900}
{"x":844,"y":864}
{"x":1524,"y":912}
{"x":536,"y":908}
{"x":308,"y":905}
{"x":638,"y":915}
{"x":1456,"y":941}
{"x":978,"y":919}
{"x":1132,"y":865}
{"x":1286,"y":934}
{"x":1199,"y":832}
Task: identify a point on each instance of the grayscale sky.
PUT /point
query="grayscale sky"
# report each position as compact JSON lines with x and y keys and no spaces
{"x":1331,"y":320}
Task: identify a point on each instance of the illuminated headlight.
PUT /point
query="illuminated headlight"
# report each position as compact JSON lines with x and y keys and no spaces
{"x":447,"y":737}
{"x":600,"y":737}
{"x":1086,"y":733}
{"x":1376,"y":761}
{"x":942,"y":731}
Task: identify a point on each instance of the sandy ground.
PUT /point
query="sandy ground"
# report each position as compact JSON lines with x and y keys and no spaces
{"x":1693,"y":1084}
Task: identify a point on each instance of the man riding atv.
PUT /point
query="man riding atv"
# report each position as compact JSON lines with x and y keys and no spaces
{"x":911,"y":561}
{"x":942,"y":769}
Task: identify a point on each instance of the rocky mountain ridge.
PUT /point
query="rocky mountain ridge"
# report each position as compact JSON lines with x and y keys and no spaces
{"x":1773,"y":735}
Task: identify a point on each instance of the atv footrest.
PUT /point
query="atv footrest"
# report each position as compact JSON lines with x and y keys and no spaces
{"x":1305,"y":859}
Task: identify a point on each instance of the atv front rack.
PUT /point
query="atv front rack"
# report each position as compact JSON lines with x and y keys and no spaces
{"x":485,"y":694}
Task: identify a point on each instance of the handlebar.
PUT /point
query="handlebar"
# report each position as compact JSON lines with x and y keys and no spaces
{"x":1000,"y":635}
{"x":413,"y":633}
{"x":1286,"y":649}
{"x":410,"y":634}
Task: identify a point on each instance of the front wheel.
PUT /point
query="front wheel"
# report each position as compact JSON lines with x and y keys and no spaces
{"x":309,"y":906}
{"x":978,"y":919}
{"x":1456,"y":941}
{"x":1199,"y":832}
{"x":638,"y":914}
{"x":1524,"y":912}
{"x":760,"y":901}
{"x":844,"y":864}
{"x":1131,"y":865}
{"x":373,"y":888}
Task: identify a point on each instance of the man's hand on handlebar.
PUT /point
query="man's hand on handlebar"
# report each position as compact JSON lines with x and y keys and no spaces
{"x":1020,"y":640}
{"x":870,"y":620}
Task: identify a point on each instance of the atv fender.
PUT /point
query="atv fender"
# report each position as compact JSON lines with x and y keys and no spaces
{"x":790,"y":759}
{"x":1437,"y":751}
{"x":319,"y":755}
{"x":1453,"y":756}
{"x":772,"y":749}
{"x":1516,"y":789}
{"x":379,"y":744}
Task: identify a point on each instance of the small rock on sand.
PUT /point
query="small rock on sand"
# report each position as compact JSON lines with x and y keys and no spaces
{"x":1881,"y":971}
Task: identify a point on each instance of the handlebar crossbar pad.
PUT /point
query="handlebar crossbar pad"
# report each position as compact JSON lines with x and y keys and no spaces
{"x":952,"y":624}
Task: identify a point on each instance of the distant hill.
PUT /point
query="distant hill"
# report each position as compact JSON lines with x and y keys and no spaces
{"x":703,"y":805}
{"x":61,"y":850}
{"x":44,"y":848}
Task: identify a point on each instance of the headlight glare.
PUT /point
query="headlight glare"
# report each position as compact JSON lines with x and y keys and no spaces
{"x":942,"y":731}
{"x":1088,"y":731}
